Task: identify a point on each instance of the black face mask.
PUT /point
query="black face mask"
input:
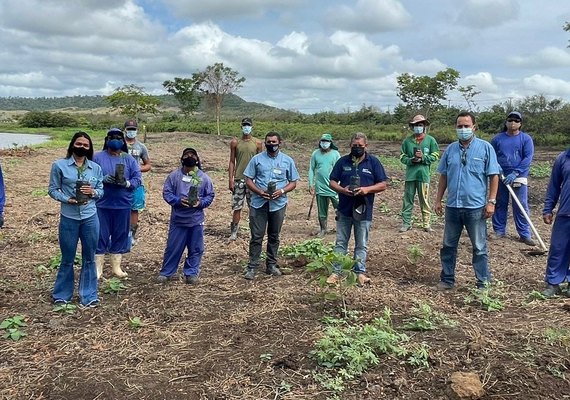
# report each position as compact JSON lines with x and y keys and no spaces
{"x":356,"y":151}
{"x":80,"y":151}
{"x":189,"y":162}
{"x":272,"y":148}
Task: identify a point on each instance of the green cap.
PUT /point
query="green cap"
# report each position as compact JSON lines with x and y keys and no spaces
{"x":327,"y":136}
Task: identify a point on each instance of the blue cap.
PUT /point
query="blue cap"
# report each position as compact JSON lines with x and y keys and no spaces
{"x":515,"y":114}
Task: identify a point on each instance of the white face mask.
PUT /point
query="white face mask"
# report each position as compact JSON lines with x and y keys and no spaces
{"x":131,"y":134}
{"x":325,"y":145}
{"x":246,"y":129}
{"x":464,"y":133}
{"x":418,"y":129}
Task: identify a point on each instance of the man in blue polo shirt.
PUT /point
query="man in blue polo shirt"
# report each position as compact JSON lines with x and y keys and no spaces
{"x":468,"y":170}
{"x":269,"y":175}
{"x":356,"y":177}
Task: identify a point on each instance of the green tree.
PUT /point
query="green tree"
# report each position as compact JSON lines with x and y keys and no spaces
{"x":132,"y":100}
{"x":424,"y":93}
{"x":468,"y":92}
{"x":185,"y":91}
{"x":217,"y":81}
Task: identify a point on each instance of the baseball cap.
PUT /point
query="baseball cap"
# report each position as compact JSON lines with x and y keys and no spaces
{"x":327,"y":137}
{"x":515,"y":114}
{"x":130,"y":123}
{"x":246,"y":121}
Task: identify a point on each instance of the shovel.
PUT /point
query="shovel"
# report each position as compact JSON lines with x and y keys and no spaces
{"x":525,"y":215}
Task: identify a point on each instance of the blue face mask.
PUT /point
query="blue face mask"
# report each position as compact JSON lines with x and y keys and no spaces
{"x":464,"y":134}
{"x":325,"y":145}
{"x":246,"y":129}
{"x":115,"y":144}
{"x":131,"y":134}
{"x":418,"y":129}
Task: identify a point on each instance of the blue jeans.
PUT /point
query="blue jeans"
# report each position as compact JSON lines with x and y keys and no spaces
{"x":473,"y":220}
{"x":260,"y":220}
{"x":344,"y":225}
{"x":70,"y":232}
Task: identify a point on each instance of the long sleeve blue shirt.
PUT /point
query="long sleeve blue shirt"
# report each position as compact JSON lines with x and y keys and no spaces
{"x":263,"y":168}
{"x":468,"y":171}
{"x":118,"y":197}
{"x":176,"y":187}
{"x":559,"y":186}
{"x":64,"y":173}
{"x":514,"y":152}
{"x":2,"y":192}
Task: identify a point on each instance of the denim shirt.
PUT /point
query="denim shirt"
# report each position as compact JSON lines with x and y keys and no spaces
{"x":468,"y":171}
{"x":263,"y":168}
{"x":64,"y":173}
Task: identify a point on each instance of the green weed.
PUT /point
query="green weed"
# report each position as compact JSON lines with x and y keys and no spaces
{"x":558,"y":336}
{"x":39,"y":193}
{"x":12,"y":327}
{"x":487,"y":298}
{"x":419,"y":356}
{"x":65,"y":308}
{"x":540,"y":170}
{"x":114,"y":286}
{"x":424,"y":318}
{"x":135,"y":323}
{"x":311,"y":249}
{"x":266,"y":357}
{"x":415,"y":254}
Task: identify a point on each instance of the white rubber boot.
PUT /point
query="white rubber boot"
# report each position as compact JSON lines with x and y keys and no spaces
{"x":115,"y":262}
{"x":99,"y":263}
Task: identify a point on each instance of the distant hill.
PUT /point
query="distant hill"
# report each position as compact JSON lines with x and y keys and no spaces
{"x":232,"y":104}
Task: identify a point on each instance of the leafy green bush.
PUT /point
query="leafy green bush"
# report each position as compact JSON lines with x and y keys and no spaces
{"x":40,"y":119}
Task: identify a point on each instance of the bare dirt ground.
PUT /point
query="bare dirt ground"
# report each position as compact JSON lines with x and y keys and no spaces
{"x":228,"y":338}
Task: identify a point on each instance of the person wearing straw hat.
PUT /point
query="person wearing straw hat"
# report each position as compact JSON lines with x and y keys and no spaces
{"x":419,"y":152}
{"x":322,"y":162}
{"x":558,"y":192}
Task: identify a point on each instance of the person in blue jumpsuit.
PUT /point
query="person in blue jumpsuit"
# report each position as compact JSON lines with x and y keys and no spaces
{"x":114,"y":208}
{"x":186,"y":229}
{"x":558,"y":192}
{"x":515,"y":150}
{"x":78,"y":219}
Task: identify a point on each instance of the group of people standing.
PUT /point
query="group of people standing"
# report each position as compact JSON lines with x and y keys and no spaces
{"x":102,"y":193}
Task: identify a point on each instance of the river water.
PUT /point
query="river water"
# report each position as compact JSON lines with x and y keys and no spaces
{"x":10,"y":140}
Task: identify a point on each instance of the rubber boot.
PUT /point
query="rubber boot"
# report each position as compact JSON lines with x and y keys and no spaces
{"x":233,"y":231}
{"x":99,"y":263}
{"x":115,"y":262}
{"x":323,"y":224}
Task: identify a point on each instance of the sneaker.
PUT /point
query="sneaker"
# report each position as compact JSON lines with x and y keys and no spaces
{"x":59,"y":302}
{"x":442,"y":286}
{"x":551,"y":291}
{"x":405,"y":228}
{"x":91,"y":304}
{"x":191,"y":279}
{"x":333,"y":279}
{"x":363,"y":280}
{"x":162,"y":279}
{"x":273,"y":270}
{"x":250,"y":274}
{"x":527,"y":241}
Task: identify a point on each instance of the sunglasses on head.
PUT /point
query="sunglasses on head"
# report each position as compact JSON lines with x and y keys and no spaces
{"x":513,"y":120}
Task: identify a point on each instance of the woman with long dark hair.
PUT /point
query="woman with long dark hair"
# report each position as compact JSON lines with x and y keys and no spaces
{"x":76,"y":181}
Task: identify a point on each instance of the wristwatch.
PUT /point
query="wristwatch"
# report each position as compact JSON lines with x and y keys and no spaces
{"x":492,"y":201}
{"x":282,"y":191}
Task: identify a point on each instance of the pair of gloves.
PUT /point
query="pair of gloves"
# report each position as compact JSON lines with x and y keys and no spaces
{"x":510,"y":178}
{"x":110,"y":179}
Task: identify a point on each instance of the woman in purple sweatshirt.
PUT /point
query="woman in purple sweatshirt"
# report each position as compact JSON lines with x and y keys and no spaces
{"x":186,"y":228}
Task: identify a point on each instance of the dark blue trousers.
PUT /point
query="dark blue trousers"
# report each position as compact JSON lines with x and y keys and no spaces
{"x":114,"y":227}
{"x":180,"y":237}
{"x":558,"y":264}
{"x":502,"y":211}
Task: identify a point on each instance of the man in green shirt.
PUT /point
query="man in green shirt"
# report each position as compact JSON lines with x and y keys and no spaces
{"x":241,"y":152}
{"x":323,"y":160}
{"x":419,"y":151}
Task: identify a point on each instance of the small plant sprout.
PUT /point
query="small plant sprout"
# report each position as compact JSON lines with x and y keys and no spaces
{"x":487,"y":298}
{"x":415,"y":254}
{"x":266,"y":357}
{"x":424,"y":318}
{"x":65,"y":308}
{"x":135,"y":323}
{"x":114,"y":286}
{"x":12,"y":327}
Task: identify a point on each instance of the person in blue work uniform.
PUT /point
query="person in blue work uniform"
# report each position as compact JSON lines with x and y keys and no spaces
{"x":558,"y":192}
{"x":77,"y":182}
{"x":269,"y":175}
{"x":114,"y":208}
{"x":2,"y":197}
{"x":356,"y":177}
{"x":186,"y":229}
{"x":515,"y":150}
{"x":470,"y":173}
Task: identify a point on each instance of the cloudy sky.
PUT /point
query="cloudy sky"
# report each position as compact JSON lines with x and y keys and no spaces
{"x":303,"y":55}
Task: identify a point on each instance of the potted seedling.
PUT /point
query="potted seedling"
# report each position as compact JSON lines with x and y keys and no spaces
{"x":354,"y":179}
{"x":120,"y":174}
{"x":81,"y":197}
{"x":271,"y":187}
{"x":195,"y":180}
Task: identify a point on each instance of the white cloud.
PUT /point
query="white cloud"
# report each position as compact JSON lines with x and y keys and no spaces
{"x":210,"y":9}
{"x":370,"y":16}
{"x":487,"y":13}
{"x":549,"y":57}
{"x":540,"y":84}
{"x":483,"y":81}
